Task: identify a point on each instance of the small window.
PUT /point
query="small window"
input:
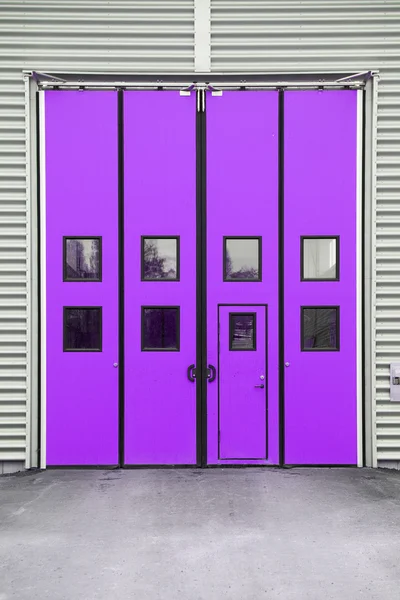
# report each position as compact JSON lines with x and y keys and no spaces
{"x":82,"y":329}
{"x":160,"y":258}
{"x":320,"y":328}
{"x":82,"y":259}
{"x":242,"y":258}
{"x":160,"y":328}
{"x":242,"y":331}
{"x":320,"y":258}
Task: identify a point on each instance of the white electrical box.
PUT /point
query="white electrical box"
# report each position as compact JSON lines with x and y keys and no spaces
{"x":395,"y":382}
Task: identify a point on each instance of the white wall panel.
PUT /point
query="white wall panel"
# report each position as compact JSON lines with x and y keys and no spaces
{"x":342,"y":36}
{"x":49,"y":35}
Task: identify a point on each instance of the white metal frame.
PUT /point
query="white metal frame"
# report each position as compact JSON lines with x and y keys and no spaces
{"x":365,"y":175}
{"x":226,"y":85}
{"x":370,"y":254}
{"x":32,"y":275}
{"x":202,"y":36}
{"x":359,"y":285}
{"x":29,"y":386}
{"x":43,"y":349}
{"x":373,"y":267}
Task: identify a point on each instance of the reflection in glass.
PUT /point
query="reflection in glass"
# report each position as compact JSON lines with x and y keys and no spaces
{"x":320,"y":329}
{"x":242,"y":259}
{"x":82,"y":328}
{"x":160,"y":258}
{"x":319,"y":258}
{"x":82,"y":258}
{"x":242,"y":328}
{"x":160,"y":329}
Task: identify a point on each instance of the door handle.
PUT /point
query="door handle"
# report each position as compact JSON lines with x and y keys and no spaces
{"x":191,"y":373}
{"x":261,"y":385}
{"x":211,"y":373}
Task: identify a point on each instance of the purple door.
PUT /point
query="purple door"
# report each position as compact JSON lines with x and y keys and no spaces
{"x":242,"y":383}
{"x":162,"y":325}
{"x":160,"y":277}
{"x":320,"y":277}
{"x":81,"y":300}
{"x":242,"y":272}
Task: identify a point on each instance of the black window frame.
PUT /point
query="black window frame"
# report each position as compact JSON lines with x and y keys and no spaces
{"x":242,"y":237}
{"x":65,"y":309}
{"x":82,"y":237}
{"x":324,"y":306}
{"x":320,"y":237}
{"x":231,"y":331}
{"x":178,"y":256}
{"x":178,"y":328}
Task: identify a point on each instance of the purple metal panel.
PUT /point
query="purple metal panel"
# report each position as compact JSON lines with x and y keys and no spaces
{"x":242,"y":200}
{"x":320,"y":199}
{"x":242,"y":406}
{"x":81,"y":200}
{"x":160,"y":199}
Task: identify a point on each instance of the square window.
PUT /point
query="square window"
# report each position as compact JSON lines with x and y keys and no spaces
{"x":82,"y":329}
{"x":242,"y":258}
{"x":160,"y":328}
{"x":320,"y":258}
{"x":242,"y":331}
{"x":319,"y":328}
{"x":160,"y":258}
{"x":82,"y":259}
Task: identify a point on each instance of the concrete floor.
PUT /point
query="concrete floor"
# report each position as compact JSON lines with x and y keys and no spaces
{"x":240,"y":534}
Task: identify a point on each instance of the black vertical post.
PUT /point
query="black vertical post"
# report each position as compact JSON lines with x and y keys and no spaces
{"x":201,"y":297}
{"x":281,"y":181}
{"x":362,"y":166}
{"x":121,"y":299}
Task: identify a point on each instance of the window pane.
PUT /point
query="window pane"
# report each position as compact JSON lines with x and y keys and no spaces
{"x":320,"y":329}
{"x":160,"y":259}
{"x":82,"y":328}
{"x":319,"y":258}
{"x":82,"y":259}
{"x":160,"y":328}
{"x":242,"y":259}
{"x":242,"y":331}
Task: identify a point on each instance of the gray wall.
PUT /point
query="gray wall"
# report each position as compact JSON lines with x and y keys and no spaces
{"x":349,"y":36}
{"x":50,"y":35}
{"x":158,"y":36}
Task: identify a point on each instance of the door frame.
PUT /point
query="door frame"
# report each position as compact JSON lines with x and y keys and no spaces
{"x":366,"y":259}
{"x":201,"y":281}
{"x":266,"y":384}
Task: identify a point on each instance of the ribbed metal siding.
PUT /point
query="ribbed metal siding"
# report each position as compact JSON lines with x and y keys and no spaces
{"x":347,"y":36}
{"x":48,"y":35}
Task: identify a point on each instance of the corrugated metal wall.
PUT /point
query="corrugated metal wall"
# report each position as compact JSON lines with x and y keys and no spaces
{"x":349,"y":36}
{"x":158,"y":36}
{"x":48,"y":35}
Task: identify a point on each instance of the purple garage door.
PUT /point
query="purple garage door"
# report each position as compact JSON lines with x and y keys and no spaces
{"x":81,"y":173}
{"x":242,"y":277}
{"x":160,"y":277}
{"x":320,"y":277}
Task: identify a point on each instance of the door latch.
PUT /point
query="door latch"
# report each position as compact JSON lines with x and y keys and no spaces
{"x":191,"y":373}
{"x":211,"y":373}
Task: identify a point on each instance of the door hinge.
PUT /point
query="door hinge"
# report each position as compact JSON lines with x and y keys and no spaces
{"x":187,"y":90}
